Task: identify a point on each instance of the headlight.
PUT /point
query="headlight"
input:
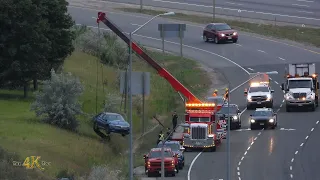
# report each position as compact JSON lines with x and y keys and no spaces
{"x":222,"y":35}
{"x":268,"y":96}
{"x":288,"y":96}
{"x":249,"y":97}
{"x":235,"y":33}
{"x":252,"y":121}
{"x":271,"y":120}
{"x":311,"y":96}
{"x":211,"y":135}
{"x":235,"y":117}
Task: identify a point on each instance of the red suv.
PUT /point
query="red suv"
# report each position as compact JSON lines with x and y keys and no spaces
{"x":219,"y":32}
{"x":153,"y":162}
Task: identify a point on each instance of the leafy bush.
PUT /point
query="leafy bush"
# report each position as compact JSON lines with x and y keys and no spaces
{"x":58,"y":100}
{"x":112,"y":103}
{"x":103,"y":173}
{"x":108,"y":47}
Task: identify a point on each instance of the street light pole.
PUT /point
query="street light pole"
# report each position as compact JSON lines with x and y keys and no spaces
{"x":130,"y":92}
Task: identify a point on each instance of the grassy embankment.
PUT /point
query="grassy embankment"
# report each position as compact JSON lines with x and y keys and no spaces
{"x":300,"y":34}
{"x":21,"y":132}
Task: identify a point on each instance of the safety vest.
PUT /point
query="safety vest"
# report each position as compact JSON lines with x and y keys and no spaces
{"x":161,"y":138}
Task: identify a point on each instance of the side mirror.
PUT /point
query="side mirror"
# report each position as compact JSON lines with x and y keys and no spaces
{"x":238,"y":111}
{"x":144,"y":156}
{"x":272,"y":91}
{"x":282,"y":87}
{"x":250,"y":115}
{"x":245,"y":93}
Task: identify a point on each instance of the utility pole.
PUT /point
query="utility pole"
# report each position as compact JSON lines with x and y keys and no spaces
{"x":228,"y":137}
{"x":214,"y":9}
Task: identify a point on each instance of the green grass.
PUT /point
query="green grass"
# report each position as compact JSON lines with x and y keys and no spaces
{"x":304,"y":35}
{"x":21,"y":132}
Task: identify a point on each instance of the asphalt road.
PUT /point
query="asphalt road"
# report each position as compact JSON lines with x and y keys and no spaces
{"x":265,"y":154}
{"x":293,"y":11}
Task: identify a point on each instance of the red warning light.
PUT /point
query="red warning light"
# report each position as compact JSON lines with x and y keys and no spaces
{"x":101,"y":16}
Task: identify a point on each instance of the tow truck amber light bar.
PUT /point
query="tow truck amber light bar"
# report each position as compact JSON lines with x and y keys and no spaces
{"x":200,"y":105}
{"x":255,"y":84}
{"x":297,"y":75}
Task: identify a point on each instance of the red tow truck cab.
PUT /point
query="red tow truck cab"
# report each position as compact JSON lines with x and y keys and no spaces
{"x":153,"y":162}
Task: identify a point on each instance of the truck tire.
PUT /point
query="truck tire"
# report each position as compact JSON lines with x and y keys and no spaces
{"x":252,"y":127}
{"x":149,"y":174}
{"x":313,"y":108}
{"x":107,"y":130}
{"x":95,"y":126}
{"x":177,"y":169}
{"x":173,"y":174}
{"x":249,"y":107}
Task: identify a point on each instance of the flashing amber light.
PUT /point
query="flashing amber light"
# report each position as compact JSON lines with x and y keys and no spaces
{"x":200,"y":105}
{"x":297,"y":75}
{"x":314,"y":75}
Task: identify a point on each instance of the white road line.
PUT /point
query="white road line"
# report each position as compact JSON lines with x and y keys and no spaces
{"x":307,"y":137}
{"x":239,"y":163}
{"x":276,"y":82}
{"x":255,"y":138}
{"x":245,"y":153}
{"x":238,"y":168}
{"x":292,"y":159}
{"x":135,"y":24}
{"x":259,"y":133}
{"x":312,"y":129}
{"x":270,"y":79}
{"x":238,"y":173}
{"x":242,"y":10}
{"x":238,"y":44}
{"x":234,"y":3}
{"x":193,"y":161}
{"x":250,"y":69}
{"x":296,"y":152}
{"x":239,"y":178}
{"x":308,"y":12}
{"x":261,"y":51}
{"x":317,"y":122}
{"x":281,"y":58}
{"x":291,"y":168}
{"x":242,"y":158}
{"x":283,"y":100}
{"x":301,"y":144}
{"x":305,"y":1}
{"x":301,"y":5}
{"x":248,"y":148}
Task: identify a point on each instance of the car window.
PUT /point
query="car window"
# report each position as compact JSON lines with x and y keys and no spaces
{"x":208,"y":26}
{"x":262,"y":113}
{"x":113,"y":117}
{"x":222,"y":27}
{"x":174,"y":147}
{"x":157,"y":154}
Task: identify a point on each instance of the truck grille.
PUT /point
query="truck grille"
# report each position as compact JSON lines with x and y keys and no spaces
{"x":198,"y":132}
{"x":299,"y":95}
{"x":259,"y":98}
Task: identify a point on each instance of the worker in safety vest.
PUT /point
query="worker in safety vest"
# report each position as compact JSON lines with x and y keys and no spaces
{"x":161,"y":137}
{"x":226,"y":94}
{"x":215,"y":93}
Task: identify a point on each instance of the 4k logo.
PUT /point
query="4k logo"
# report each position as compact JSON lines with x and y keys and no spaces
{"x":33,"y":162}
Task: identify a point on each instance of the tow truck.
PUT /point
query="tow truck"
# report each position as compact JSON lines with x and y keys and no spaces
{"x":259,"y":93}
{"x":301,"y":86}
{"x":196,"y":109}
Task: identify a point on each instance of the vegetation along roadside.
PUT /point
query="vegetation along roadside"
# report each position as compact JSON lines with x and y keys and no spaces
{"x":300,"y":34}
{"x":79,"y":152}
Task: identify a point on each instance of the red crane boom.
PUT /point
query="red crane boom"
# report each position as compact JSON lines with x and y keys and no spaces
{"x":161,"y":71}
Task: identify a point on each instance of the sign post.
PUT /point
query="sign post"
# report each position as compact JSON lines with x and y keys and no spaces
{"x":172,"y":31}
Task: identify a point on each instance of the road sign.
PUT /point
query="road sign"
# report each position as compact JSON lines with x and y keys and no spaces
{"x":140,"y":83}
{"x":172,"y":31}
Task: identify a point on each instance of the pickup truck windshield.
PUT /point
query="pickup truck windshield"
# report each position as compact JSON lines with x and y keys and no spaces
{"x":174,"y":147}
{"x":299,"y":84}
{"x":258,"y":89}
{"x":157,"y":154}
{"x":224,"y":110}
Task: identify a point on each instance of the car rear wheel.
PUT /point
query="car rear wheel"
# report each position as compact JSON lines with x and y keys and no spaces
{"x":216,"y":40}
{"x":205,"y":38}
{"x":95,"y":126}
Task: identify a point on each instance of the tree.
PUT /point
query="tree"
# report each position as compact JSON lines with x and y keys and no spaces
{"x":35,"y":37}
{"x":58,"y":100}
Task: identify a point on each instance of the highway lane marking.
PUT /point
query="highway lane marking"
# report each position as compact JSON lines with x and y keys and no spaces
{"x":242,"y":10}
{"x":234,"y":3}
{"x":245,"y":153}
{"x":308,"y":12}
{"x":237,"y":44}
{"x":281,"y":58}
{"x":194,"y":25}
{"x":261,"y":51}
{"x":276,"y":82}
{"x":301,"y":5}
{"x":301,"y":146}
{"x":305,"y":1}
{"x":193,"y":161}
{"x":250,"y":69}
{"x":135,"y":24}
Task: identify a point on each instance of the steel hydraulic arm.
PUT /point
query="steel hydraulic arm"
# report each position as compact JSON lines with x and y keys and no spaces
{"x":161,"y":71}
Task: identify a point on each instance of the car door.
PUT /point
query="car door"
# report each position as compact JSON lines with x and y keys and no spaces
{"x":206,"y":30}
{"x":102,"y":120}
{"x":213,"y":31}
